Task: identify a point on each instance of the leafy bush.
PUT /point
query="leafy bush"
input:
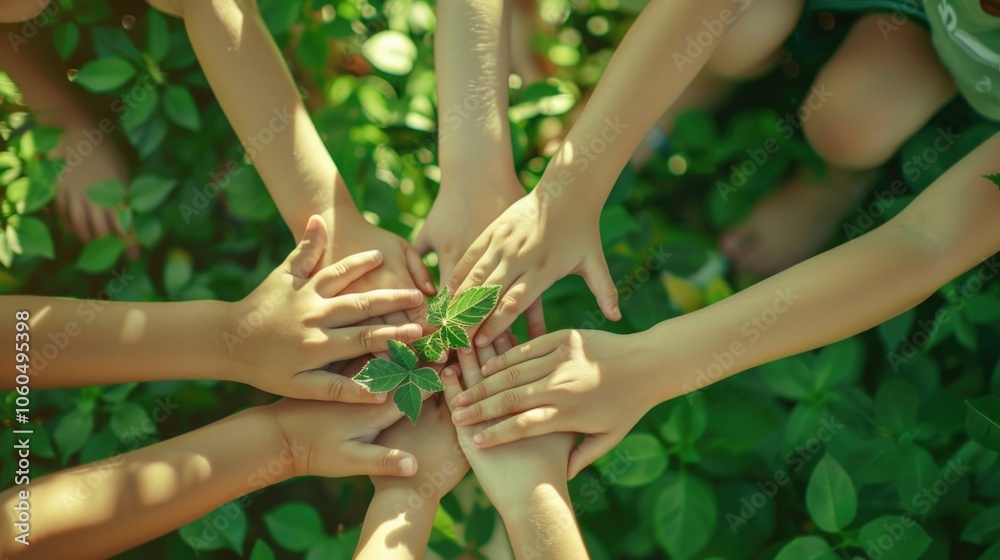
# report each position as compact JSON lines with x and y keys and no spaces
{"x":860,"y":448}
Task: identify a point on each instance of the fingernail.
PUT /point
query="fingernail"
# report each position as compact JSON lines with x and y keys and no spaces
{"x":380,"y":397}
{"x":462,"y":399}
{"x":377,"y":256}
{"x":615,"y":312}
{"x":478,"y":439}
{"x":481,"y":340}
{"x":460,"y":415}
{"x":312,"y":225}
{"x":415,"y":295}
{"x":407,"y":466}
{"x":446,"y":372}
{"x":430,"y":286}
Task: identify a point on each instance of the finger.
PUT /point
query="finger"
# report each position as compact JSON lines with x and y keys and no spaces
{"x":535,"y":317}
{"x":470,"y":261}
{"x":333,"y":279}
{"x":452,"y":384}
{"x":78,"y":220}
{"x":396,"y":318}
{"x":307,"y":254}
{"x":99,"y":221}
{"x":422,"y":243}
{"x":598,"y":278}
{"x":350,"y":309}
{"x":506,"y":403}
{"x":502,"y":344}
{"x":589,"y":450}
{"x":535,"y":422}
{"x":470,"y":366}
{"x":350,"y":342}
{"x":322,"y":385}
{"x":521,"y":353}
{"x":512,"y":303}
{"x":515,"y":376}
{"x":375,"y":460}
{"x":418,"y":272}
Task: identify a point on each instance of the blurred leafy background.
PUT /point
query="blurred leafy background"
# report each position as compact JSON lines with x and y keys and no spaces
{"x":815,"y":456}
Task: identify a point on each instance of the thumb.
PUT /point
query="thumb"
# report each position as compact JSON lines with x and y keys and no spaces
{"x":589,"y":450}
{"x":375,"y":460}
{"x":319,"y":385}
{"x":422,"y":244}
{"x":304,"y":258}
{"x":598,"y":277}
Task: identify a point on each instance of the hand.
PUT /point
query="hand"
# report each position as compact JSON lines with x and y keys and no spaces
{"x":296,"y":322}
{"x":528,"y":248}
{"x":510,"y":474}
{"x":433,"y":442}
{"x":457,"y":218}
{"x":590,"y":382}
{"x":335,"y":439}
{"x":402,"y":269}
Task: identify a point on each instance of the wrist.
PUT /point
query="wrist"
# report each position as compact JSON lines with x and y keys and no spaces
{"x":404,"y":497}
{"x":283,"y":452}
{"x":283,"y":438}
{"x":521,"y":498}
{"x":217,"y":317}
{"x":519,"y":490}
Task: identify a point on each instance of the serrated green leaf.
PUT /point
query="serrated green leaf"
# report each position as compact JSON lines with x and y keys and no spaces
{"x":402,"y":355}
{"x":426,"y":380}
{"x":437,"y":307}
{"x":381,"y":375}
{"x":106,"y":193}
{"x":472,"y":305}
{"x":454,"y":336}
{"x":407,"y":399}
{"x":429,"y":347}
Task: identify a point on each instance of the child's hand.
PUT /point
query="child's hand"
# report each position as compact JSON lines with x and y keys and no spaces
{"x":298,"y":321}
{"x":402,"y":266}
{"x":457,"y":218}
{"x":433,"y":442}
{"x":508,"y":474}
{"x":528,"y":248}
{"x":589,"y":382}
{"x":335,"y":439}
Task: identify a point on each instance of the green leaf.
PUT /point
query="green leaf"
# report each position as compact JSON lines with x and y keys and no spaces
{"x":984,"y":527}
{"x":995,"y":178}
{"x":402,"y":355}
{"x":894,"y":537}
{"x":427,"y":380}
{"x":128,"y":417}
{"x":260,"y":551}
{"x":894,"y":330}
{"x":806,"y":548}
{"x":106,"y":193}
{"x":381,"y":375}
{"x":141,"y":108}
{"x":100,"y":254}
{"x":105,"y":74}
{"x":896,"y":406}
{"x":982,"y":421}
{"x":688,"y":420}
{"x":437,"y":307}
{"x":72,"y":432}
{"x":157,"y":35}
{"x":636,"y":461}
{"x":430,"y":347}
{"x":35,"y":238}
{"x":180,"y":108}
{"x":472,"y":305}
{"x":177,"y":271}
{"x":391,"y":52}
{"x":407,"y":399}
{"x":684,"y":516}
{"x":789,"y":378}
{"x":66,"y":36}
{"x":480,"y":525}
{"x":222,"y":527}
{"x":295,"y":526}
{"x":839,"y":364}
{"x":830,"y":496}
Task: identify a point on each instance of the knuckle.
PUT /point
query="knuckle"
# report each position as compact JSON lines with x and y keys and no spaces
{"x":509,"y":401}
{"x":366,"y":338}
{"x":513,"y":375}
{"x":363,"y":302}
{"x":508,"y":304}
{"x":335,"y":391}
{"x":522,"y":424}
{"x":385,"y":462}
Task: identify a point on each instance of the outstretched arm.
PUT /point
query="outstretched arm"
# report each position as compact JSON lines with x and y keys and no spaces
{"x":558,"y":382}
{"x":554,"y":231}
{"x":154,"y":490}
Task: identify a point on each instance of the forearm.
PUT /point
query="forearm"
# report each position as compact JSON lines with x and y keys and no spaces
{"x":472,"y":45}
{"x":149,"y":492}
{"x":948,"y":229}
{"x":398,"y":525}
{"x":256,"y":92}
{"x":541,"y":523}
{"x":648,"y":72}
{"x":96,"y":342}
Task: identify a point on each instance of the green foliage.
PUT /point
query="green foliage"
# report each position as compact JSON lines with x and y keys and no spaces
{"x":741,"y":469}
{"x":467,"y":309}
{"x":402,"y":374}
